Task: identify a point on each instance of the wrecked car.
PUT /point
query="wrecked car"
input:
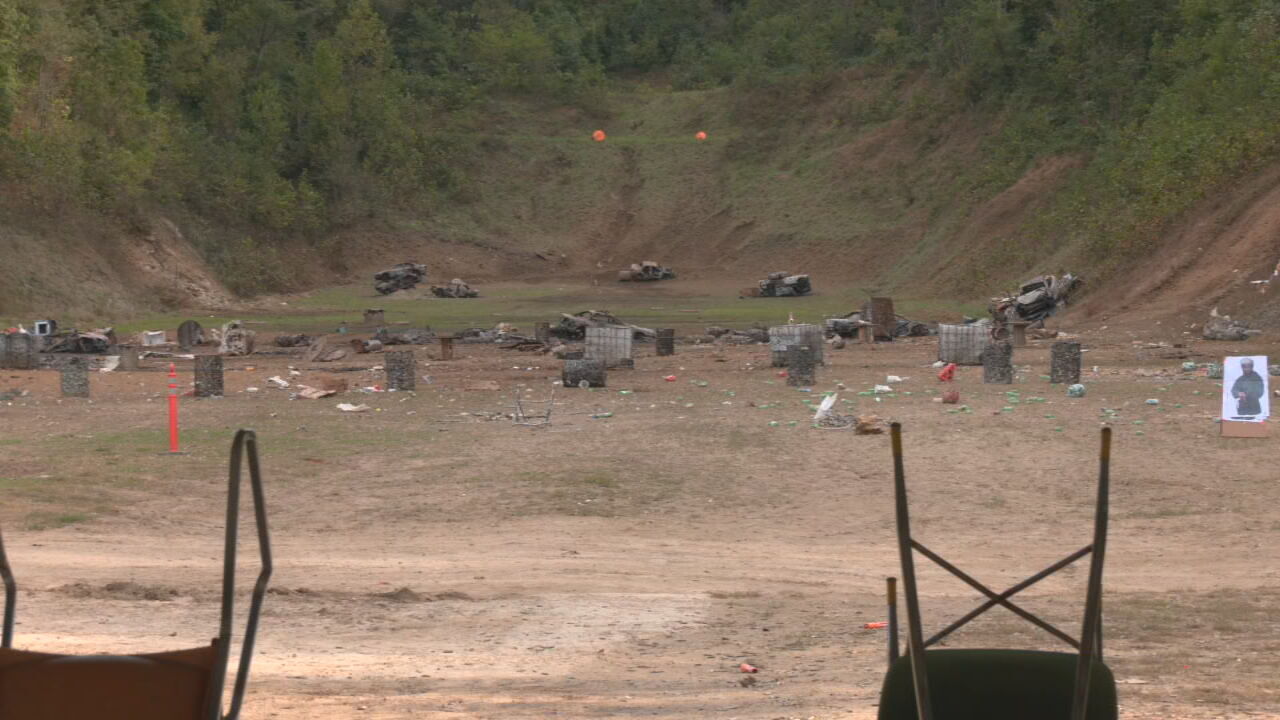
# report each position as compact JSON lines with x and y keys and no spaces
{"x":404,"y":276}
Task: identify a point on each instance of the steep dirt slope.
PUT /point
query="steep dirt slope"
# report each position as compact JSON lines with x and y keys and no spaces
{"x":1230,"y":240}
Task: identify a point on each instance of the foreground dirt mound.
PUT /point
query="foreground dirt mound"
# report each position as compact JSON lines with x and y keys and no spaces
{"x":119,"y":591}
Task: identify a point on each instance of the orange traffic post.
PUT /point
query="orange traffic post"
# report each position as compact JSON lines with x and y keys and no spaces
{"x":173,"y":408}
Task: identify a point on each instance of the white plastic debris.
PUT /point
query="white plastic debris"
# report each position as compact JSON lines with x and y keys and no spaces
{"x":278,"y":381}
{"x":825,"y":408}
{"x":882,"y":389}
{"x":348,"y":407}
{"x":1153,"y":401}
{"x":894,"y":379}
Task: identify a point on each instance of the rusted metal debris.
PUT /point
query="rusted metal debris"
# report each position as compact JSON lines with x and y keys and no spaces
{"x":1222,"y":327}
{"x":848,"y":326}
{"x":1036,"y":300}
{"x":646,"y":271}
{"x":574,"y":327}
{"x":412,"y":336}
{"x":96,"y":342}
{"x":781,"y":284}
{"x":727,"y":336}
{"x":404,"y":276}
{"x":293,"y":340}
{"x":236,"y":340}
{"x":456,"y":288}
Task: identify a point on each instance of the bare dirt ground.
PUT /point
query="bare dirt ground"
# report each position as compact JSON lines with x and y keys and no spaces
{"x":432,"y":564}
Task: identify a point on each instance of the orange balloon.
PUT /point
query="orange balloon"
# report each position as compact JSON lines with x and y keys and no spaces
{"x":700,"y":136}
{"x":598,"y":136}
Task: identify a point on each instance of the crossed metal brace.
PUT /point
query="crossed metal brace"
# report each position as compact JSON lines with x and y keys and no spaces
{"x":1002,"y":599}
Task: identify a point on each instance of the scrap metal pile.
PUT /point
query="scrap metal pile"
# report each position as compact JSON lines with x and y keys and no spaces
{"x":726,"y":336}
{"x":455,"y":289}
{"x":781,"y":284}
{"x":96,"y":342}
{"x":1036,"y":300}
{"x":574,"y":327}
{"x":646,"y":271}
{"x":404,"y":276}
{"x":1222,"y":327}
{"x":847,"y":326}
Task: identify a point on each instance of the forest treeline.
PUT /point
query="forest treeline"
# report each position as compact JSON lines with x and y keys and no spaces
{"x":300,"y":115}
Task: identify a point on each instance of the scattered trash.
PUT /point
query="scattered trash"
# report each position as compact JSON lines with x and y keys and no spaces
{"x":1191,"y":367}
{"x":869,"y":425}
{"x":349,"y":408}
{"x":882,"y":389}
{"x":1153,"y":401}
{"x":601,"y":416}
{"x":293,"y":340}
{"x":574,"y":327}
{"x":951,"y":397}
{"x":670,"y":378}
{"x":875,"y":626}
{"x":948,"y":372}
{"x":278,"y":381}
{"x":306,"y":392}
{"x":748,"y":668}
{"x":1215,"y":371}
{"x":894,"y":379}
{"x":455,"y":289}
{"x":1075,"y":391}
{"x":1222,"y":327}
{"x":251,"y":389}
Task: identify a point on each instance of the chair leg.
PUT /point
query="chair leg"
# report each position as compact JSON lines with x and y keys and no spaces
{"x":915,"y":635}
{"x":891,"y":593}
{"x":1091,"y":633}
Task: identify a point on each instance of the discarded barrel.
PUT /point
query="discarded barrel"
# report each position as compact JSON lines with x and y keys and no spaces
{"x":962,"y":344}
{"x":401,"y":370}
{"x":1064,"y":362}
{"x":75,"y":378}
{"x":589,"y":370}
{"x":17,"y":351}
{"x":208,"y":373}
{"x":666,"y":344}
{"x":782,"y":336}
{"x":801,"y":361}
{"x":190,"y":334}
{"x":997,"y":363}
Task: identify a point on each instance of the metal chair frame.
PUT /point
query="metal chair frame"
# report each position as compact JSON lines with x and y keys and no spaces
{"x":916,"y":643}
{"x":245,"y":443}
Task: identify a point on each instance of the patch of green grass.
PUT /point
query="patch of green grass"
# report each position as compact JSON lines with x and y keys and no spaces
{"x":600,"y":479}
{"x":679,"y":304}
{"x":44,"y":520}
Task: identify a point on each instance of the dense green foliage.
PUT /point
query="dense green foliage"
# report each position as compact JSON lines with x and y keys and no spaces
{"x":293,"y":116}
